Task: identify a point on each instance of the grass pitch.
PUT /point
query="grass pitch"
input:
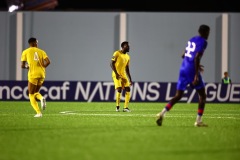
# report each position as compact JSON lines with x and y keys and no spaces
{"x":95,"y":131}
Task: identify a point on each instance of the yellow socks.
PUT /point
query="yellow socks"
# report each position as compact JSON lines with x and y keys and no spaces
{"x":38,"y":96}
{"x":127,"y":98}
{"x":34,"y":103}
{"x":118,"y":96}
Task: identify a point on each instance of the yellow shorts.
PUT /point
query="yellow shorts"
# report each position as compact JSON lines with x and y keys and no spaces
{"x":36,"y":81}
{"x":121,"y":82}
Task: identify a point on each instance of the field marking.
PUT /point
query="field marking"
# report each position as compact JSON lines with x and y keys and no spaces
{"x":117,"y":114}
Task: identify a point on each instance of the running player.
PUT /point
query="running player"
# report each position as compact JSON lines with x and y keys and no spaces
{"x":190,"y":73}
{"x":35,"y":60}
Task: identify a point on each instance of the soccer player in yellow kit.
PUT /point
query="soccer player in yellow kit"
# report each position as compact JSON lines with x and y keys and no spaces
{"x":35,"y":60}
{"x":121,"y":74}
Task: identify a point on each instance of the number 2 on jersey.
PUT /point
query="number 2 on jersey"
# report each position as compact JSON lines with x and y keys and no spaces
{"x":190,"y":48}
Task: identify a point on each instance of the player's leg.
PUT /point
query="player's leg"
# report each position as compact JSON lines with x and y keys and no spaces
{"x":169,"y":105}
{"x":173,"y":101}
{"x":118,"y":97}
{"x":127,"y":99}
{"x":31,"y":89}
{"x":126,"y":85}
{"x":118,"y":88}
{"x":181,"y":86}
{"x":201,"y":106}
{"x":200,"y":88}
{"x":38,"y":95}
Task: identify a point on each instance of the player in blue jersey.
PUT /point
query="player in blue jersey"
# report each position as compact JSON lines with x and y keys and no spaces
{"x":190,"y":74}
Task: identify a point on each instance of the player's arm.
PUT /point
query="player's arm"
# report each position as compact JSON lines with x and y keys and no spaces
{"x":197,"y":67}
{"x":112,"y":65}
{"x":201,"y":68}
{"x":24,"y":65}
{"x":128,"y":74}
{"x":46,"y":62}
{"x":183,"y":54}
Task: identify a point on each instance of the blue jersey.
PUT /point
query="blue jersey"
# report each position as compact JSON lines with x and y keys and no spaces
{"x":195,"y":45}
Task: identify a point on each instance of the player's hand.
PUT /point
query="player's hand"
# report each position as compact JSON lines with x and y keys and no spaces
{"x":118,"y":76}
{"x":201,"y":68}
{"x":195,"y":81}
{"x":131,"y":83}
{"x":124,"y":80}
{"x":26,"y":66}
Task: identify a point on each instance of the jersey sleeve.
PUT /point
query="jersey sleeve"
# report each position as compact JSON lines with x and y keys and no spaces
{"x":23,"y":57}
{"x":115,"y":55}
{"x":202,"y":46}
{"x":44,"y":54}
{"x":128,"y":61}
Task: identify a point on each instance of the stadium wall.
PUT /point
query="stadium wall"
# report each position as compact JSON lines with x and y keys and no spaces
{"x":80,"y":44}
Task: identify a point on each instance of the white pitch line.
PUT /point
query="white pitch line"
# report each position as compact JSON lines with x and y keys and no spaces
{"x":147,"y":115}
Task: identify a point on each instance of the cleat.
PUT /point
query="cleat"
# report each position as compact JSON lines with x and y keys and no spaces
{"x":200,"y":124}
{"x":43,"y":103}
{"x":38,"y":115}
{"x":159,"y":119}
{"x":126,"y":110}
{"x":117,"y":109}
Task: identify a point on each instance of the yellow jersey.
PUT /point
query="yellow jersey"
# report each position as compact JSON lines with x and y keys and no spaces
{"x":35,"y":59}
{"x":121,"y":61}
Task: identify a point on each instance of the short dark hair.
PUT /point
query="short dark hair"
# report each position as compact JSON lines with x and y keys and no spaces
{"x":123,"y":43}
{"x":32,"y":40}
{"x":203,"y":28}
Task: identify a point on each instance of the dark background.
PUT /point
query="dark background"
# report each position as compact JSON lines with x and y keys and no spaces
{"x":136,"y":5}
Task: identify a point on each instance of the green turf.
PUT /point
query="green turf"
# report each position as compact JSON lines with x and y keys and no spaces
{"x":94,"y":131}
